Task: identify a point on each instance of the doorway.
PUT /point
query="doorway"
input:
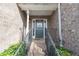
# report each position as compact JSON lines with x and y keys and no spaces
{"x":38,"y":28}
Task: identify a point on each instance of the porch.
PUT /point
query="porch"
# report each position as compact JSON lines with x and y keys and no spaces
{"x":40,"y":28}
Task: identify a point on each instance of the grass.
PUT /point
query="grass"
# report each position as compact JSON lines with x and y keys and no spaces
{"x":12,"y":49}
{"x":64,"y":52}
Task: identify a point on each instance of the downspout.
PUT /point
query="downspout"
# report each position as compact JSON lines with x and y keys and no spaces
{"x":59,"y":20}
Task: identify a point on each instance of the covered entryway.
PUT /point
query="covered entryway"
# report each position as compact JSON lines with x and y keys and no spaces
{"x":40,"y":27}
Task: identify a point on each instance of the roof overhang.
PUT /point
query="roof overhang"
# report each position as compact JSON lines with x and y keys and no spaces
{"x":39,"y":8}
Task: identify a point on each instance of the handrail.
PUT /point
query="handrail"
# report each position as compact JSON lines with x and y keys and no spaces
{"x":29,"y":37}
{"x":51,"y":40}
{"x":23,"y":42}
{"x":53,"y":43}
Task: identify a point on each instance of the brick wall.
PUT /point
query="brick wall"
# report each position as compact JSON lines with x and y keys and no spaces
{"x":10,"y":25}
{"x":53,"y":26}
{"x":70,"y":26}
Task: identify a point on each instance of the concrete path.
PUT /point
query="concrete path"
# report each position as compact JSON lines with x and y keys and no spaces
{"x":37,"y":48}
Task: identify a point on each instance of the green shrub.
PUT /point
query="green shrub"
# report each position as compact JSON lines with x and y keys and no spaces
{"x":64,"y":52}
{"x":12,"y":50}
{"x":22,"y":51}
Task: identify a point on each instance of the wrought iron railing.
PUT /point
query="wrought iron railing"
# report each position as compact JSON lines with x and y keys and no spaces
{"x":25,"y":43}
{"x":51,"y":48}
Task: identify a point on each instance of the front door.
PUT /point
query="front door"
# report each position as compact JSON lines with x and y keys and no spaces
{"x":39,"y":28}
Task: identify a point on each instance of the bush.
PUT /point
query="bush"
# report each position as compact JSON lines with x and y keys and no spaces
{"x":12,"y":50}
{"x":64,"y":52}
{"x":22,"y":51}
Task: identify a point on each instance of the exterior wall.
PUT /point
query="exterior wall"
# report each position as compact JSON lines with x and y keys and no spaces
{"x":70,"y":26}
{"x":23,"y":16}
{"x":24,"y":20}
{"x":10,"y":25}
{"x":53,"y":27}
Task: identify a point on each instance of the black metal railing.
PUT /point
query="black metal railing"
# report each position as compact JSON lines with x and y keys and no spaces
{"x":51,"y":48}
{"x":25,"y":43}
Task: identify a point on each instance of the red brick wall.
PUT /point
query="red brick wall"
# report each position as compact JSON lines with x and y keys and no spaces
{"x":53,"y":26}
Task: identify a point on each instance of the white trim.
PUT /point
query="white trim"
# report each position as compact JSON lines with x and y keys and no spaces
{"x":33,"y":28}
{"x":44,"y":29}
{"x":43,"y":24}
{"x":59,"y":18}
{"x":27,"y":28}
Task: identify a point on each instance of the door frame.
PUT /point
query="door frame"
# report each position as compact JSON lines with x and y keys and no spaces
{"x":35,"y":28}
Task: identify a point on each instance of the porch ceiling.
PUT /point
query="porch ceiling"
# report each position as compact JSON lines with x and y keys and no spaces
{"x":39,"y":8}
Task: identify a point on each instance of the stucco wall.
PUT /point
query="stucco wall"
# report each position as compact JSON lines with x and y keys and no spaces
{"x":53,"y":26}
{"x":10,"y":25}
{"x":70,"y":26}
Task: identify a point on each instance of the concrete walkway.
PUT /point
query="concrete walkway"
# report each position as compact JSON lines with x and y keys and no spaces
{"x":37,"y":48}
